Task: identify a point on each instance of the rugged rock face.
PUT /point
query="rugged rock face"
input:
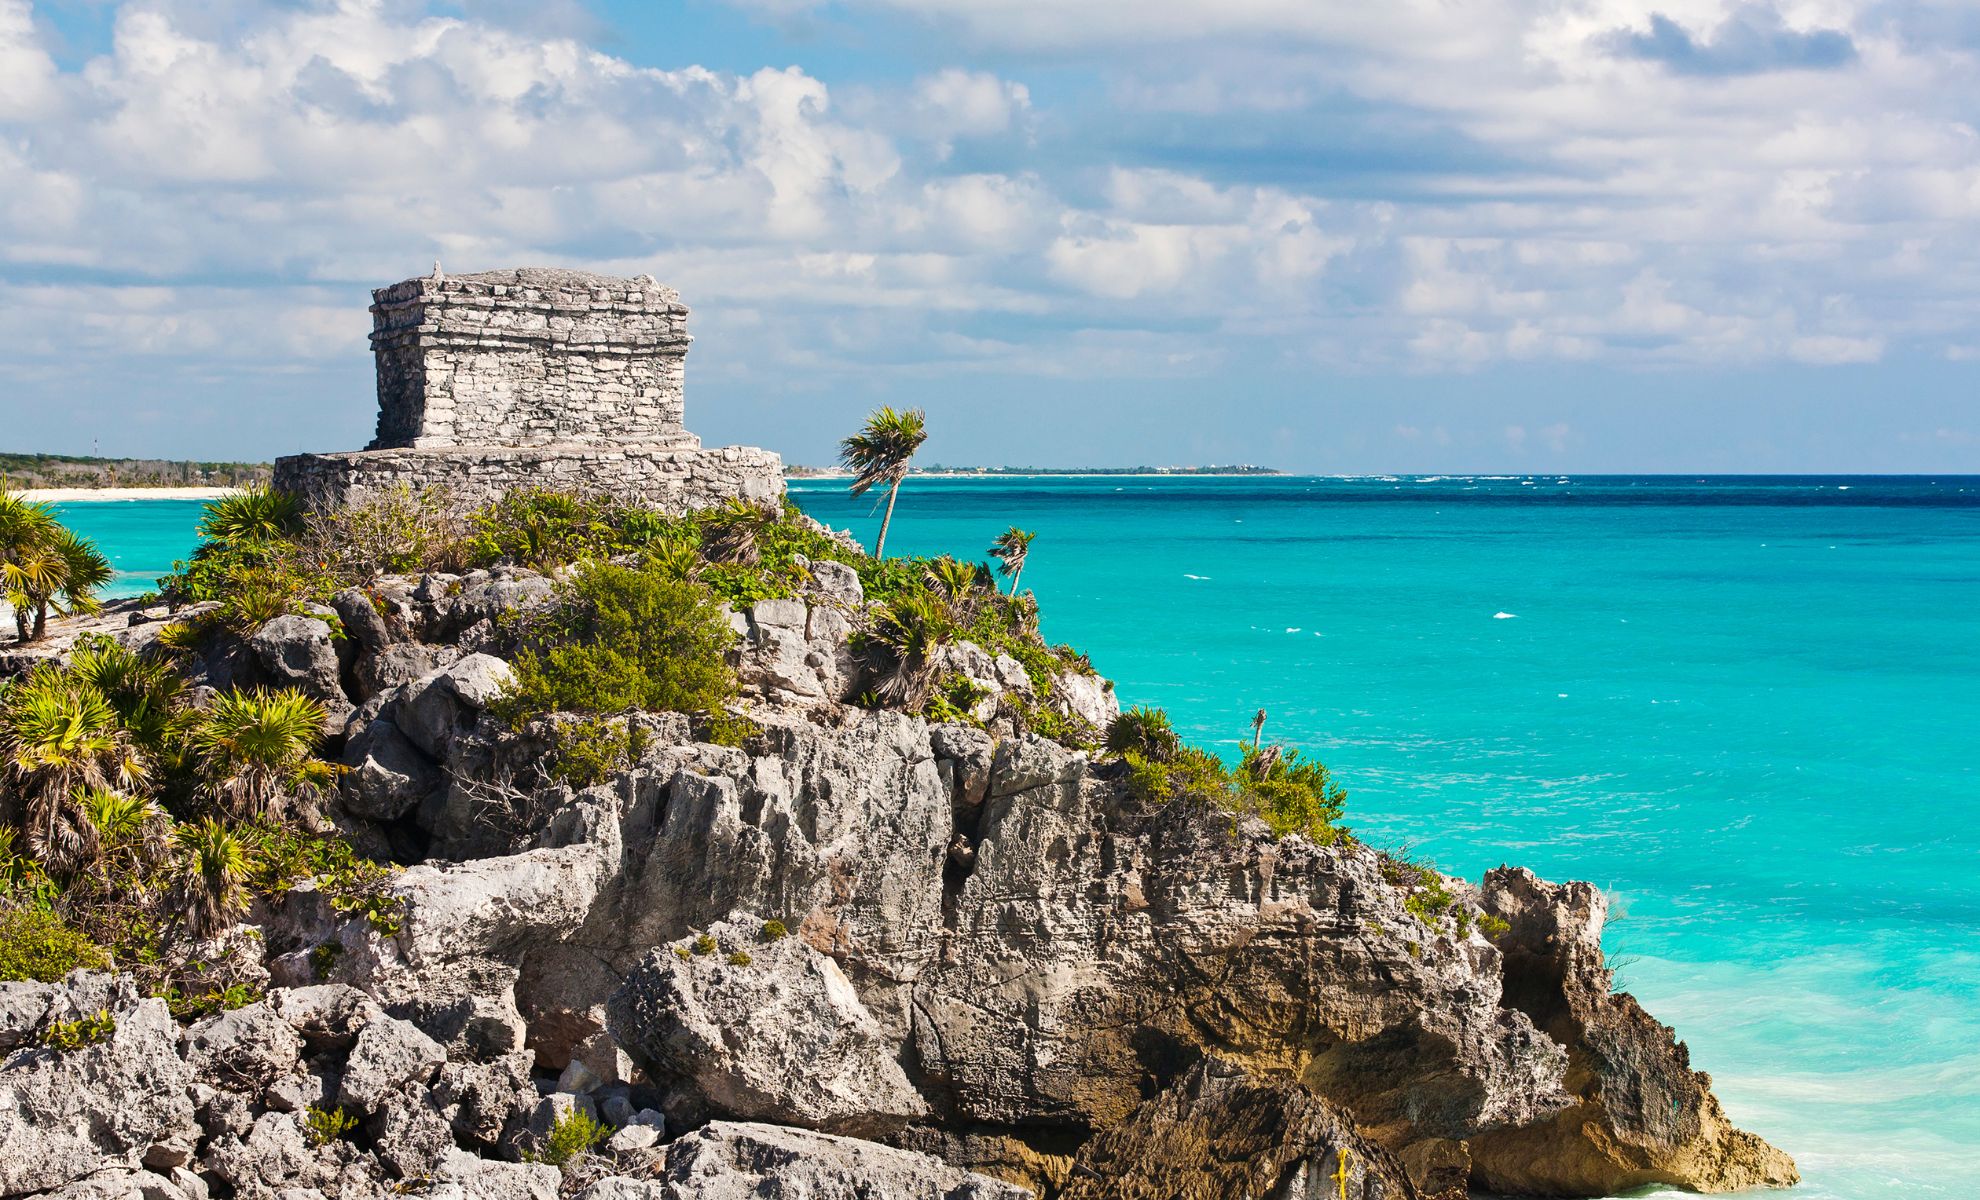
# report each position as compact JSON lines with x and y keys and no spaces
{"x":994,"y":960}
{"x":1642,"y":1115}
{"x":1220,"y":1134}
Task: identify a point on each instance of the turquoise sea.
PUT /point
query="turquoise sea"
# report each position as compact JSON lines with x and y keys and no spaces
{"x":1747,"y":707}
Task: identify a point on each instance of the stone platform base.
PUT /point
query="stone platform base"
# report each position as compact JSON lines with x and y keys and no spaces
{"x":671,"y":478}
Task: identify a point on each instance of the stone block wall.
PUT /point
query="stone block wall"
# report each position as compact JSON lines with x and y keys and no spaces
{"x":529,"y":357}
{"x":672,"y":480}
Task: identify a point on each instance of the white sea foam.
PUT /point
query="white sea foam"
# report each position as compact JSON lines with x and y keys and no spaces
{"x":1187,"y":575}
{"x":1292,"y":629}
{"x":1504,"y":616}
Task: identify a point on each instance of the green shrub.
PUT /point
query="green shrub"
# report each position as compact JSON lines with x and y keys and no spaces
{"x":40,"y":946}
{"x":188,"y":1006}
{"x":1293,"y":793}
{"x":323,"y":1126}
{"x":774,"y":930}
{"x":573,"y":1136}
{"x":624,"y":638}
{"x":83,"y":1031}
{"x":589,"y":751}
{"x":534,"y":527}
{"x":706,"y":944}
{"x":724,"y":728}
{"x":1493,"y":927}
{"x":323,"y":958}
{"x":397,"y":531}
{"x":1426,"y":895}
{"x":280,"y":857}
{"x":740,"y":958}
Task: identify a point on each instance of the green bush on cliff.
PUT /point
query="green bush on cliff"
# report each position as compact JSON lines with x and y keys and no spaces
{"x":622,"y":638}
{"x":589,"y":751}
{"x":1288,"y":790}
{"x":40,"y":946}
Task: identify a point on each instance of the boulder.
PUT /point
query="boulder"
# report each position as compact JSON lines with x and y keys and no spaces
{"x":443,"y":702}
{"x":397,"y":664}
{"x":243,"y":1050}
{"x":328,"y":1016}
{"x":361,"y":619}
{"x":744,"y":1161}
{"x":464,"y":1176}
{"x":68,"y":1114}
{"x":297,"y":652}
{"x":779,"y":1037}
{"x":388,"y":775}
{"x":23,"y":1004}
{"x":389,"y":1054}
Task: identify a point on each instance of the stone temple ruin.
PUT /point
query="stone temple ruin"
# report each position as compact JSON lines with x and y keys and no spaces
{"x":533,"y":378}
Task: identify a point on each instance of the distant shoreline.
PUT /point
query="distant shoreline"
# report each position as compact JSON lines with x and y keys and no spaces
{"x":803,"y":472}
{"x":67,"y":495}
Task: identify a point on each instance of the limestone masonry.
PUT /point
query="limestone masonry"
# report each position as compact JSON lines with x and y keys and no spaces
{"x":533,"y":378}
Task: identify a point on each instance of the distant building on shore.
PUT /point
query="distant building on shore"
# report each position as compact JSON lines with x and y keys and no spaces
{"x":533,"y":377}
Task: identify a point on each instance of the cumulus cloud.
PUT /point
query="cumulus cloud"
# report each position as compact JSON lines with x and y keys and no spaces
{"x":1414,"y":186}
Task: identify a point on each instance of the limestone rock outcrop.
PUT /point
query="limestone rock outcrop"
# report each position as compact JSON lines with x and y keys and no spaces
{"x":1641,"y":1115}
{"x":764,"y":1029}
{"x":745,"y":1161}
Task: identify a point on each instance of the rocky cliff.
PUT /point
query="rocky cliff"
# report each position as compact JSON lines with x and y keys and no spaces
{"x":858,"y":955}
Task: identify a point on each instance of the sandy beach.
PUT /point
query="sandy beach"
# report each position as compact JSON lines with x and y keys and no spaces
{"x":70,"y":494}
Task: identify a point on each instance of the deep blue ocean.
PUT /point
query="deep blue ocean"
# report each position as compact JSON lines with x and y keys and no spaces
{"x":1749,"y":708}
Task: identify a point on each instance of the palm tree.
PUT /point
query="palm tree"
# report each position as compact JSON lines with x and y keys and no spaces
{"x":55,"y":565}
{"x":1010,"y":550}
{"x":129,"y":829}
{"x":731,"y":532}
{"x":59,"y":736}
{"x":253,"y":745}
{"x":1144,"y":731}
{"x":253,"y":516}
{"x":25,"y":532}
{"x":879,"y":454}
{"x":213,"y":865}
{"x":146,"y":692}
{"x":912,"y":628}
{"x":957,"y":579}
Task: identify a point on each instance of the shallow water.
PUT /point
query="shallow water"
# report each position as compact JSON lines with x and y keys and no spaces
{"x":1747,"y":708}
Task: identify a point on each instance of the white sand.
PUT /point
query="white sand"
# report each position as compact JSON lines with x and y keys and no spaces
{"x":65,"y":495}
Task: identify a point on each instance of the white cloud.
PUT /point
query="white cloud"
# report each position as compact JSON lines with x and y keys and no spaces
{"x":1414,"y":185}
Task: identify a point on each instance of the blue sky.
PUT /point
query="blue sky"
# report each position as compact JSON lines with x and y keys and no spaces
{"x":1545,"y":235}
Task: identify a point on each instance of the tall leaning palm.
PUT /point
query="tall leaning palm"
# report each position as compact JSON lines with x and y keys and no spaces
{"x":1010,"y":550}
{"x":879,"y":454}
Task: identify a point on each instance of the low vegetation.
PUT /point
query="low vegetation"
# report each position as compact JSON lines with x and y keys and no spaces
{"x":148,"y":825}
{"x":1290,"y":792}
{"x":573,"y":1136}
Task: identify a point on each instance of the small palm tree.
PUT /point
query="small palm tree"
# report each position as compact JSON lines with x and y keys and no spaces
{"x":43,"y":564}
{"x":25,"y":531}
{"x":1143,"y":731}
{"x":129,"y":829}
{"x":252,"y":517}
{"x":58,"y":737}
{"x":957,"y":579}
{"x":879,"y":454}
{"x":912,"y":628}
{"x":1010,"y":550}
{"x":146,"y":692}
{"x":731,"y":532}
{"x":211,"y":869}
{"x":251,"y":746}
